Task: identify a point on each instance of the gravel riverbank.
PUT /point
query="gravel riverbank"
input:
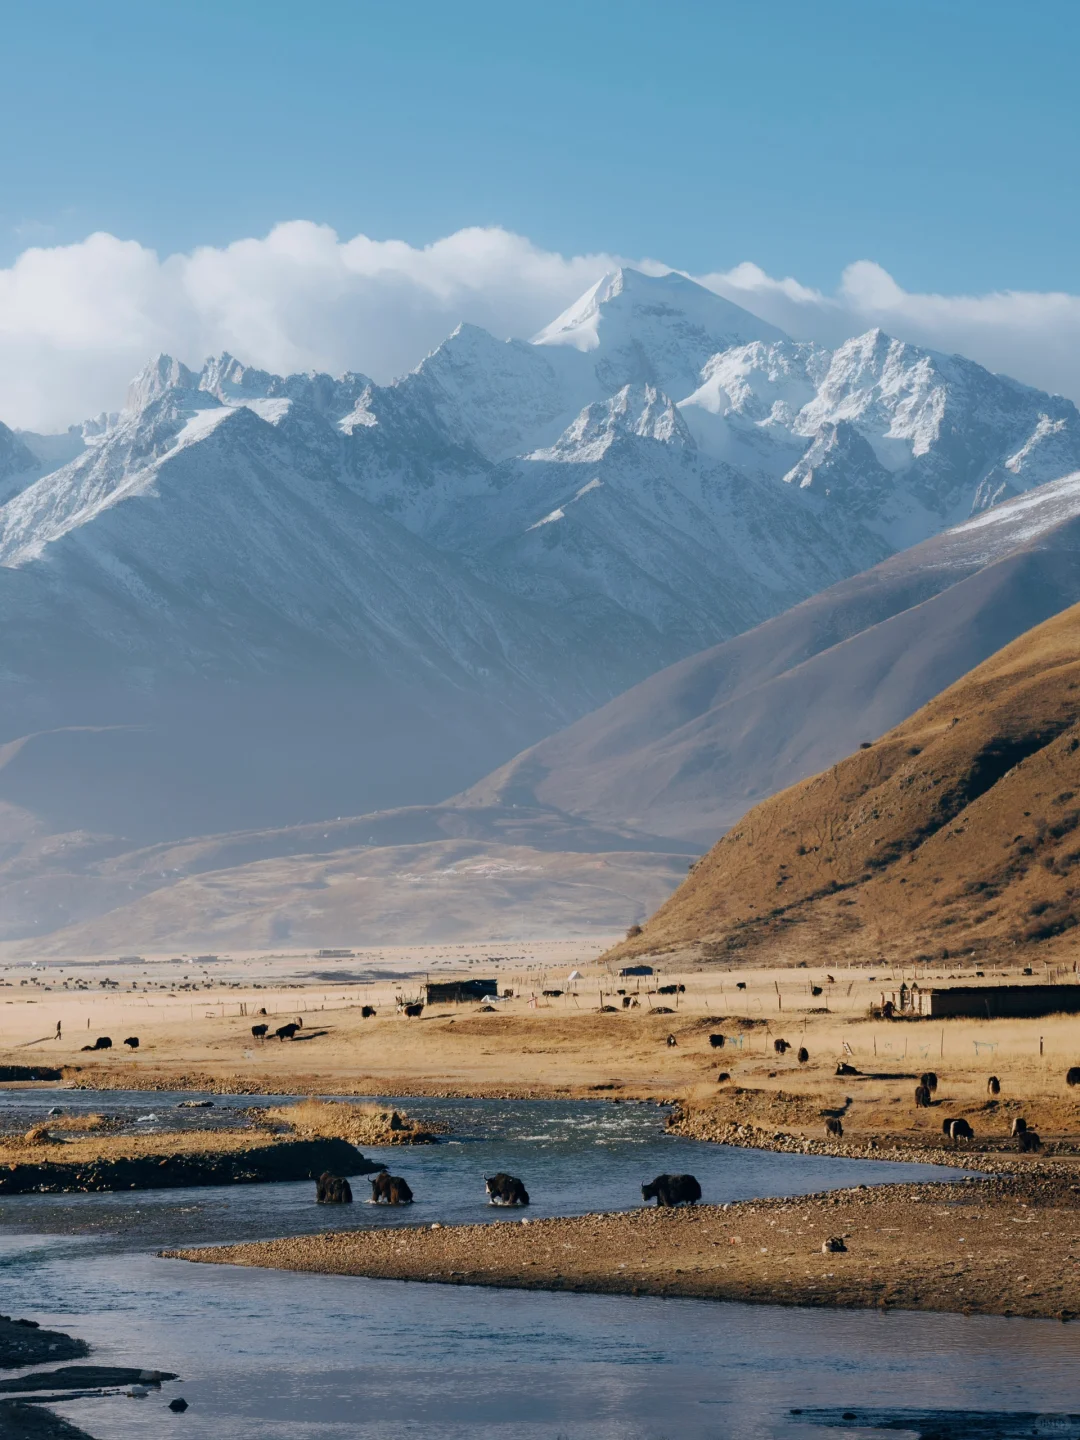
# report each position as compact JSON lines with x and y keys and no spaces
{"x":1002,"y":1245}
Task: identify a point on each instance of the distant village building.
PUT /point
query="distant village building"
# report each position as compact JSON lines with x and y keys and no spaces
{"x":989,"y":1002}
{"x":334,"y":955}
{"x":453,"y":992}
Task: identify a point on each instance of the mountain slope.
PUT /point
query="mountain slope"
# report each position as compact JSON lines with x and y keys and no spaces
{"x":687,"y":751}
{"x":959,"y":829}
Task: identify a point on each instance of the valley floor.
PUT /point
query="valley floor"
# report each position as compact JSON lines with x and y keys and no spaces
{"x":1007,"y":1243}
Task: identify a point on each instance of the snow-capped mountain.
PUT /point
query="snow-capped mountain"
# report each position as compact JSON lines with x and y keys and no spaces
{"x":250,"y":599}
{"x":909,"y":440}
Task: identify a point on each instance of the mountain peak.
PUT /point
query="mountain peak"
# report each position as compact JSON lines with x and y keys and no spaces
{"x":158,"y":375}
{"x":656,"y":330}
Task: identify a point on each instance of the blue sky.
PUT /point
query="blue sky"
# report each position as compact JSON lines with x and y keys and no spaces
{"x":937,"y":137}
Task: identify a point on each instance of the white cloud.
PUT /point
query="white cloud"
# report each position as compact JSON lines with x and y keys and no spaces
{"x":1032,"y":336}
{"x":77,"y":321}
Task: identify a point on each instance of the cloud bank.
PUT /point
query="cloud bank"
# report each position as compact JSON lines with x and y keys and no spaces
{"x":78,"y":321}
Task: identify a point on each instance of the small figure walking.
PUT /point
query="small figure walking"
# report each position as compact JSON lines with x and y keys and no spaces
{"x":58,"y":1029}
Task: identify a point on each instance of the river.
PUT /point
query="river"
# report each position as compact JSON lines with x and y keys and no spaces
{"x":269,"y":1356}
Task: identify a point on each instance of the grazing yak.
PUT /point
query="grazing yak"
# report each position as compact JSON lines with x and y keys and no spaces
{"x":332,"y":1190}
{"x":286,"y":1032}
{"x":958,"y":1130}
{"x":367,"y":1012}
{"x":803,"y":1056}
{"x":781,"y":1047}
{"x":671,"y":989}
{"x":1027,"y":1141}
{"x":993,"y":1086}
{"x":834,"y":1245}
{"x":671,"y":1041}
{"x":922,"y":1097}
{"x":716,"y":1041}
{"x":929,"y":1079}
{"x":815,"y":989}
{"x":1072,"y":1076}
{"x":259,"y":1031}
{"x":413,"y":1011}
{"x":503,"y":1189}
{"x":390,"y":1190}
{"x":740,"y":984}
{"x":132,"y":1042}
{"x":671,"y":1190}
{"x":1019,"y":1125}
{"x":103,"y":1042}
{"x":724,"y":1075}
{"x":833,"y":1127}
{"x":552,"y":994}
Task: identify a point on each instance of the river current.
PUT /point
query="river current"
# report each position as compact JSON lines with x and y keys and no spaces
{"x":274,"y":1356}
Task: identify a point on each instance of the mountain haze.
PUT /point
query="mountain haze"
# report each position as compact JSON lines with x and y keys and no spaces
{"x":247,"y":602}
{"x":689,"y":750}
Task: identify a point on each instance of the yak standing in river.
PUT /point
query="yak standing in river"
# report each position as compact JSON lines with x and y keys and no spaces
{"x":505,"y":1189}
{"x":332,"y":1190}
{"x":390,"y":1190}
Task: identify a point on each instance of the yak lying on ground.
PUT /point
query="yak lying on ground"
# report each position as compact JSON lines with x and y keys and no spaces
{"x":716,"y":1041}
{"x":332,"y":1190}
{"x":132,"y":1042}
{"x":286,"y":1032}
{"x":834,"y":1245}
{"x":103,"y":1042}
{"x":390,"y":1190}
{"x":259,"y":1031}
{"x":843,"y":1068}
{"x":505,"y":1189}
{"x":1028,"y":1141}
{"x":671,"y":1190}
{"x":834,"y":1127}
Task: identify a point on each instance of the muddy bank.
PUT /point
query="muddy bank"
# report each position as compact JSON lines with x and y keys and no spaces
{"x":24,"y":1342}
{"x":23,"y":1420}
{"x":1004,"y":1245}
{"x":165,"y":1167}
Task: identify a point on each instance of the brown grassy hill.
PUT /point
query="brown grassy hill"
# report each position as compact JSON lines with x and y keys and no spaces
{"x":959,"y":830}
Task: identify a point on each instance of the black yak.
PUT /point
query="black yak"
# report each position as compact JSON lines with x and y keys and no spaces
{"x":671,"y":1190}
{"x":332,"y":1190}
{"x":390,"y":1190}
{"x":505,"y":1189}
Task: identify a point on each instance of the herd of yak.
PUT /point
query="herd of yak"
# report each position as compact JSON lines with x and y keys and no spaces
{"x":502,"y":1189}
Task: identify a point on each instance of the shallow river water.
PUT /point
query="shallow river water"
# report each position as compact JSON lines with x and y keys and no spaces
{"x":294,"y":1357}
